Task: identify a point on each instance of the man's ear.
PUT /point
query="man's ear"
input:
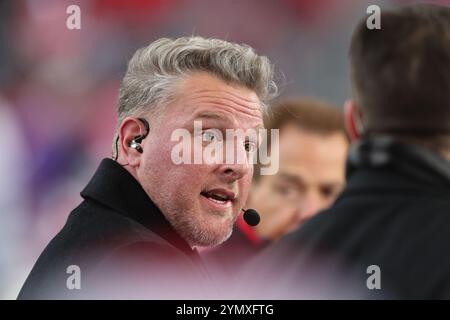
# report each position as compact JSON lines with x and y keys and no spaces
{"x":352,"y":119}
{"x":129,"y":129}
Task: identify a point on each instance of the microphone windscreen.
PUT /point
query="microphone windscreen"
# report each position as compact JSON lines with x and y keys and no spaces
{"x":251,"y":217}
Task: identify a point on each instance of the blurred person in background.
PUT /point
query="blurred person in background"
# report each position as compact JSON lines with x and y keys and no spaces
{"x":387,"y":234}
{"x":136,"y":232}
{"x":312,"y":151}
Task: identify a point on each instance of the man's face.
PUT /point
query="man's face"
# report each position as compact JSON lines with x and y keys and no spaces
{"x":201,"y":201}
{"x":310,"y":176}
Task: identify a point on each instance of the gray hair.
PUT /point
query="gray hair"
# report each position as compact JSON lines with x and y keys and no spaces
{"x":153,"y":72}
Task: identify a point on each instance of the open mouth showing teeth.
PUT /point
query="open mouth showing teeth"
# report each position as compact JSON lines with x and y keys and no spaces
{"x":216,"y":197}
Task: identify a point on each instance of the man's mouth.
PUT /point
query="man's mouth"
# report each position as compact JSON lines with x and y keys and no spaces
{"x":219,"y":196}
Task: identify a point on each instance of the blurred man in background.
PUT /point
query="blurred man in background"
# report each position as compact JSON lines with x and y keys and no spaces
{"x":388,"y":233}
{"x":312,"y":151}
{"x":143,"y":215}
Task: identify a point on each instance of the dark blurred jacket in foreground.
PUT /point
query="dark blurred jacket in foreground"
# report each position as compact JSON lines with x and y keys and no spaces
{"x":394,"y":214}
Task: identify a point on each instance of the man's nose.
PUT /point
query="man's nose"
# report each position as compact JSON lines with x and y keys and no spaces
{"x":237,"y":166}
{"x":233,"y":172}
{"x":310,"y":205}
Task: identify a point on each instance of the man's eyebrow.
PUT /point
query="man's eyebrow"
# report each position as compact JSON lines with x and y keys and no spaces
{"x":332,"y":185}
{"x":212,"y":116}
{"x":217,"y":116}
{"x":291,"y":178}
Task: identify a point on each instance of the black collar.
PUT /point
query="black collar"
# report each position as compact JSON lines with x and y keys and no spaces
{"x":115,"y":188}
{"x":409,"y":162}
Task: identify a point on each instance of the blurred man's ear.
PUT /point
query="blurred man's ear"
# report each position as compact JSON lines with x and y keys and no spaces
{"x":352,"y":120}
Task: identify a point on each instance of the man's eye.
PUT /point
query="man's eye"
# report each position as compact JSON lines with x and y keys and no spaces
{"x":285,"y":190}
{"x":329,"y":192}
{"x":210,"y":136}
{"x":250,"y":147}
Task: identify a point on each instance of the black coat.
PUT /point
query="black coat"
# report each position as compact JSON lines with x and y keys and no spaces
{"x":123,"y":245}
{"x":394,"y":213}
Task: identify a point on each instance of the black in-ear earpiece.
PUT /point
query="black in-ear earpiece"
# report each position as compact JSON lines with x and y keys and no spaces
{"x":136,"y":145}
{"x":136,"y":142}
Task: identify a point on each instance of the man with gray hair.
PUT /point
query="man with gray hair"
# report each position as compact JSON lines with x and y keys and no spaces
{"x":143,"y":215}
